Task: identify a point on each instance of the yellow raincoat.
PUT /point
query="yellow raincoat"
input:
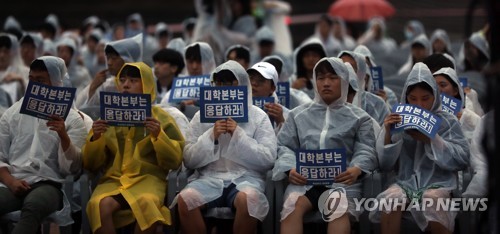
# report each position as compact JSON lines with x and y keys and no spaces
{"x":135,"y":165}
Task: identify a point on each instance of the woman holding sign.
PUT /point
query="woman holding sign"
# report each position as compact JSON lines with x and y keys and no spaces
{"x":427,"y":167}
{"x":135,"y":162}
{"x":327,"y":124}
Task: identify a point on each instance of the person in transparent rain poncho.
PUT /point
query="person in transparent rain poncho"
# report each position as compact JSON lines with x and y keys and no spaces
{"x":240,"y":54}
{"x":375,"y":39}
{"x":117,"y":53}
{"x":89,"y":51}
{"x":371,"y":103}
{"x":231,"y":160}
{"x":327,"y":123}
{"x":426,"y":168}
{"x":324,"y":32}
{"x":412,"y":30}
{"x":386,"y":94}
{"x":340,"y":34}
{"x":440,"y":42}
{"x":36,"y":155}
{"x":420,"y":49}
{"x":79,"y":76}
{"x":13,"y":73}
{"x":31,"y":47}
{"x":305,"y":57}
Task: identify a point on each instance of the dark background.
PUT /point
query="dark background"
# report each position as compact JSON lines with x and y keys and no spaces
{"x":446,"y":14}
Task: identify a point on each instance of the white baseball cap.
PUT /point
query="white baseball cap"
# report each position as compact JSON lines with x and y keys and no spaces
{"x":266,"y":70}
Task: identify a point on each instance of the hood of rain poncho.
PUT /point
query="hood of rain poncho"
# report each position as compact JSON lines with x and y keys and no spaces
{"x":129,"y":49}
{"x":97,"y":34}
{"x":264,"y":33}
{"x":353,"y":78}
{"x":421,"y":73}
{"x":313,"y":43}
{"x":286,"y":67}
{"x":478,"y":40}
{"x":380,"y":21}
{"x":207,"y":57}
{"x":162,"y":27}
{"x":452,"y":60}
{"x":452,"y":74}
{"x":235,"y":47}
{"x":443,"y":36}
{"x":15,"y":51}
{"x":178,"y":45}
{"x":69,"y":42}
{"x":49,"y":48}
{"x":240,"y":73}
{"x":37,"y":41}
{"x":11,"y":23}
{"x":423,"y":40}
{"x":147,"y":78}
{"x":361,"y":67}
{"x":363,"y":50}
{"x":418,"y":28}
{"x":91,"y":20}
{"x":56,"y":69}
{"x":341,"y":70}
{"x":133,"y":32}
{"x":54,"y":21}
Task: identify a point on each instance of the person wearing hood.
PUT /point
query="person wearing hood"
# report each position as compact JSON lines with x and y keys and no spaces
{"x":5,"y":101}
{"x":264,"y":80}
{"x":240,"y":54}
{"x":89,"y":51}
{"x":420,"y":49}
{"x":448,"y":83}
{"x":440,"y":42}
{"x":79,"y":76}
{"x":386,"y":94}
{"x":231,"y":159}
{"x":162,"y":35}
{"x":324,"y":33}
{"x":117,"y":53}
{"x":283,"y":68}
{"x":412,"y":30}
{"x":371,"y":103}
{"x":264,"y":44}
{"x":199,"y":60}
{"x":327,"y":123}
{"x":36,"y":155}
{"x":12,"y":26}
{"x":426,"y":168}
{"x":31,"y":47}
{"x":375,"y":39}
{"x":305,"y":58}
{"x":135,"y":162}
{"x":13,"y":73}
{"x":339,"y":31}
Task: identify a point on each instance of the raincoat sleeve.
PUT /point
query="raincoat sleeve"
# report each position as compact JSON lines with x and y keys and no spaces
{"x":94,"y":153}
{"x":449,"y":149}
{"x":4,"y":140}
{"x":70,"y":161}
{"x":388,"y":154}
{"x":257,"y":152}
{"x":200,"y":148}
{"x":363,"y":155}
{"x":478,"y":185}
{"x":288,"y":141}
{"x":169,"y":143}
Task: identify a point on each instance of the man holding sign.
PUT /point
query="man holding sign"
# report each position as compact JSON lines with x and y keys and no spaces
{"x":330,"y":132}
{"x":427,"y":164}
{"x":232,"y":159}
{"x":135,"y":161}
{"x":37,"y":154}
